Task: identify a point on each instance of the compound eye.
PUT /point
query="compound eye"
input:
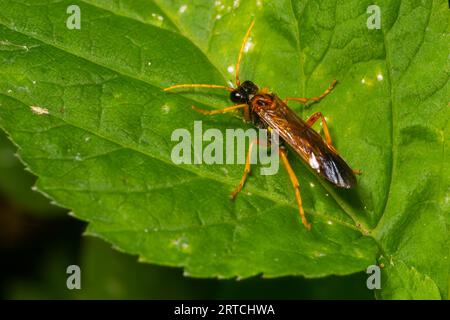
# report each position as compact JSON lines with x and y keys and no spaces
{"x":236,"y":97}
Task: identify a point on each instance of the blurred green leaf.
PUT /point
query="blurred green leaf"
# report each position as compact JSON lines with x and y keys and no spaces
{"x":103,"y":149}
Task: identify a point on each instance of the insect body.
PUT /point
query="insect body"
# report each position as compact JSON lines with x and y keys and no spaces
{"x":308,"y":144}
{"x":267,"y":110}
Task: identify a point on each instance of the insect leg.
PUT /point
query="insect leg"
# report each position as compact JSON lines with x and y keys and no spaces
{"x":224,"y":110}
{"x":313,"y":118}
{"x":296,"y":186}
{"x":315,"y":99}
{"x":246,"y":170}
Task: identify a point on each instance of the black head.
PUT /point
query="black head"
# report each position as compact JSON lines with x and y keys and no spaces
{"x":244,"y":93}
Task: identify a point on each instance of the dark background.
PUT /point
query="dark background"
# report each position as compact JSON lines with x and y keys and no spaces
{"x":39,"y":240}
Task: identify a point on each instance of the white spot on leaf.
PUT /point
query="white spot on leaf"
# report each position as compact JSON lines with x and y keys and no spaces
{"x":157,"y":16}
{"x":248,"y":45}
{"x":165,"y":109}
{"x":39,"y":110}
{"x":319,"y":254}
{"x":181,"y":243}
{"x":183,"y":8}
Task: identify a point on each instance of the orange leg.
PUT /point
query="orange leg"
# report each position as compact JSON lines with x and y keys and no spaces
{"x":314,"y":99}
{"x":246,"y":170}
{"x":296,"y":186}
{"x":224,"y":110}
{"x":313,"y":118}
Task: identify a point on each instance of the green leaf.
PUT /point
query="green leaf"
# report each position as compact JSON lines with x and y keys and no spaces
{"x":405,"y":283}
{"x":101,"y":145}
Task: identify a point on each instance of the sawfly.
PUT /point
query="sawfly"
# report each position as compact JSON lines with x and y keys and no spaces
{"x":266,"y":110}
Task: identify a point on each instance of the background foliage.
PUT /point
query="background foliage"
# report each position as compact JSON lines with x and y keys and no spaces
{"x":103,"y":149}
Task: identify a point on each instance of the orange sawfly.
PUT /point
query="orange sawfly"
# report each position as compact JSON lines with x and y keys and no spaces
{"x":266,"y":110}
